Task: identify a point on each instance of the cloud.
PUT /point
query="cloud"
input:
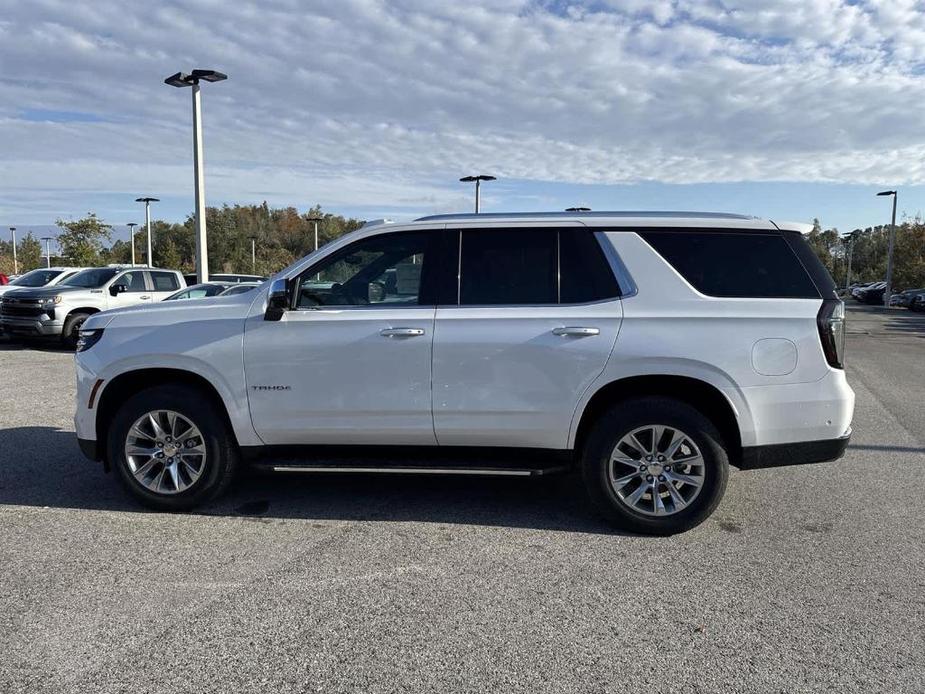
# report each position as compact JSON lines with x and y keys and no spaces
{"x":362,"y":101}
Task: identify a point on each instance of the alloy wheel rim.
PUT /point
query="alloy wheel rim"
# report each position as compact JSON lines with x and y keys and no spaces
{"x":656,"y":470}
{"x":165,"y":452}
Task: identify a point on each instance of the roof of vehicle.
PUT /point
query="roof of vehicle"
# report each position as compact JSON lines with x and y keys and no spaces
{"x":623,"y":218}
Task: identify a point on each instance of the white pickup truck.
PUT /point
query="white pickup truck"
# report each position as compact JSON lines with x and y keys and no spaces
{"x":60,"y":310}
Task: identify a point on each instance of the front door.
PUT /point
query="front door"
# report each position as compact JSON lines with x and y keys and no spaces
{"x":536,"y":319}
{"x":136,"y":290}
{"x":352,"y":363}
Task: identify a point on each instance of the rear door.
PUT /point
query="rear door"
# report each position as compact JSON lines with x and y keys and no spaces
{"x":163,"y":284}
{"x":533,"y":323}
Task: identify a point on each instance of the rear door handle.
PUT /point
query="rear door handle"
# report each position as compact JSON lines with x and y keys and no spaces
{"x":401,"y":332}
{"x":576,"y":331}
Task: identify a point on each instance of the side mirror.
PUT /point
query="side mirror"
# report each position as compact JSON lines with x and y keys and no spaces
{"x":278,"y":301}
{"x":117,"y":289}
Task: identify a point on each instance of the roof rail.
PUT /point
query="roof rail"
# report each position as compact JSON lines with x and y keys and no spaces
{"x":569,"y":215}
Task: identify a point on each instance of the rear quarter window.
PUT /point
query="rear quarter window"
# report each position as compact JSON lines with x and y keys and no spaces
{"x":736,"y":264}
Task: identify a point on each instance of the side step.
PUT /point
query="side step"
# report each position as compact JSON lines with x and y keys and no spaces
{"x":407,"y":470}
{"x":410,"y":460}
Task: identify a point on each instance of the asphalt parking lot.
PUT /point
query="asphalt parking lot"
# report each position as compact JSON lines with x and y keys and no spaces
{"x":807,"y":579}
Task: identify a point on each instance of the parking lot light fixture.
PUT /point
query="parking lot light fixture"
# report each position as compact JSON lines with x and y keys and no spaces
{"x":131,"y":239}
{"x":147,"y":202}
{"x":577,"y":209}
{"x":47,"y":240}
{"x":889,"y":258}
{"x":477,"y":179}
{"x":15,"y":262}
{"x":315,"y":220}
{"x":181,"y":79}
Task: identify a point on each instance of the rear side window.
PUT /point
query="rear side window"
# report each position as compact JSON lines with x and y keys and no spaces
{"x":735,"y":264}
{"x":165,"y":282}
{"x":584,"y":272}
{"x":508,"y":267}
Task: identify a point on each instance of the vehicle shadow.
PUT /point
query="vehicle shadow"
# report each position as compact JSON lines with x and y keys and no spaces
{"x":33,"y":344}
{"x":43,"y":467}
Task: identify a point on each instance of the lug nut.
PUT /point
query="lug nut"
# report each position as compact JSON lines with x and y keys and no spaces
{"x":169,"y":440}
{"x":642,"y":468}
{"x":649,"y":478}
{"x":170,"y":461}
{"x":160,"y":444}
{"x":661,"y":459}
{"x":158,"y":455}
{"x":661,"y":478}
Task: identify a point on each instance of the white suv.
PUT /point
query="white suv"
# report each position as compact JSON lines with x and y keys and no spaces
{"x":60,"y":310}
{"x":648,"y":350}
{"x":40,"y":277}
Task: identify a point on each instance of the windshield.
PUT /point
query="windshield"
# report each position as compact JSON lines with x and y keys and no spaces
{"x":36,"y":278}
{"x":91,"y":279}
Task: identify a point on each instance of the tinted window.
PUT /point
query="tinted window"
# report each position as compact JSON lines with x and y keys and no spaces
{"x":584,"y":272}
{"x":36,"y":278}
{"x":133,"y":281}
{"x":731,"y":264}
{"x":165,"y":281}
{"x":820,"y":276}
{"x":509,"y":266}
{"x":90,"y":279}
{"x":384,"y":270}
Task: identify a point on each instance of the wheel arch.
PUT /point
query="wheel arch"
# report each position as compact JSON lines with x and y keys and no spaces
{"x":128,"y":383}
{"x":703,"y":396}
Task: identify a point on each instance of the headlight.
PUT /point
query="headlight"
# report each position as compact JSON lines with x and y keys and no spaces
{"x":87,"y":338}
{"x":53,"y":299}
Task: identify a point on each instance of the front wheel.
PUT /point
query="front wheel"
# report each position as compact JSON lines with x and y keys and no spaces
{"x":172,"y":448}
{"x":71,"y":330}
{"x":655,"y":465}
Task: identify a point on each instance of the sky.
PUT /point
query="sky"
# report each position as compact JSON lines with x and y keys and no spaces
{"x":785,"y":109}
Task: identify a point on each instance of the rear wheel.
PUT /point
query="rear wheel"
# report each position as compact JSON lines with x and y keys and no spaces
{"x":71,"y":329}
{"x":172,"y":448}
{"x":655,"y":465}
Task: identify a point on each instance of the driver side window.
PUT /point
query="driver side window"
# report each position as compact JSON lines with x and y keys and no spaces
{"x":133,"y":281}
{"x":383,"y":270}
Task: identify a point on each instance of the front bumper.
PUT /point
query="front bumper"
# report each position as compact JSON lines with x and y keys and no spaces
{"x":801,"y":453}
{"x":36,"y":327}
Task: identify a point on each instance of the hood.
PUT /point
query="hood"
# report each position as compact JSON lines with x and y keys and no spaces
{"x":44,"y":292}
{"x":179,"y":311}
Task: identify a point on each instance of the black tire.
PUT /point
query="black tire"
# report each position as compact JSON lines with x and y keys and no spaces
{"x":72,"y":325}
{"x":222,"y":454}
{"x":629,"y":415}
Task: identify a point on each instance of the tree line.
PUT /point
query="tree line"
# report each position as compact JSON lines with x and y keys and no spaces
{"x":283,"y":235}
{"x":867,"y":250}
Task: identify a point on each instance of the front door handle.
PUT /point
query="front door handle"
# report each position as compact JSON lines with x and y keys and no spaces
{"x":576,"y":331}
{"x":401,"y":332}
{"x":144,"y":298}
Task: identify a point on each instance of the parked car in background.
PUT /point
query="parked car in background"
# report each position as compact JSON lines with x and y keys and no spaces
{"x":510,"y":344}
{"x":4,"y":280}
{"x":231,"y":278}
{"x":41,"y":277}
{"x":207,"y":289}
{"x":60,"y":310}
{"x":917,"y":302}
{"x":904,"y":298}
{"x":871,"y":294}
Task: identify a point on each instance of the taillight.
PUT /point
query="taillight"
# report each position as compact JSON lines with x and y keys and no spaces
{"x":831,"y":322}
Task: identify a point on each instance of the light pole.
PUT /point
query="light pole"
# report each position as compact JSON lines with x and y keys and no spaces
{"x":254,"y":254}
{"x":316,"y":220}
{"x":47,"y":240}
{"x":181,"y":79}
{"x":131,"y":239}
{"x":478,"y":181}
{"x":889,"y":258}
{"x":15,"y":262}
{"x":147,"y":202}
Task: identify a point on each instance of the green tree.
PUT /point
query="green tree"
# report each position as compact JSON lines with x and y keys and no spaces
{"x":81,"y":241}
{"x":29,"y":253}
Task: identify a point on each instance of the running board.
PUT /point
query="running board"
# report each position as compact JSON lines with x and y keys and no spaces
{"x":403,"y":470}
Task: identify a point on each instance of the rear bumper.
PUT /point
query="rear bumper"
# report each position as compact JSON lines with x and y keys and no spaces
{"x":802,"y":453}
